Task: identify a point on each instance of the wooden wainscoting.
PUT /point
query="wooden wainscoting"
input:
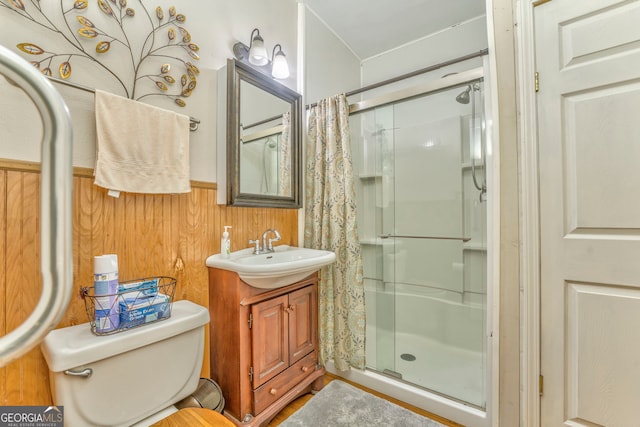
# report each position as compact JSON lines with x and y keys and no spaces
{"x":153,"y":235}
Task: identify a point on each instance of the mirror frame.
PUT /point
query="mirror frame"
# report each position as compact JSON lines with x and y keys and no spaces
{"x":236,"y":73}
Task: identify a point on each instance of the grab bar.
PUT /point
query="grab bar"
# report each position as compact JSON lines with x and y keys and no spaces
{"x":464,"y":239}
{"x":55,"y":223}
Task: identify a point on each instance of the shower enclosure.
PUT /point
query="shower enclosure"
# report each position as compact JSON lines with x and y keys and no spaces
{"x":261,"y":160}
{"x":420,"y":171}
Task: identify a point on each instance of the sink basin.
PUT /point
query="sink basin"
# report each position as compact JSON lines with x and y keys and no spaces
{"x":286,"y":265}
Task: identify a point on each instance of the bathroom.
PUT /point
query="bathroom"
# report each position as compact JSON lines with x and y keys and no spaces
{"x":174,"y":234}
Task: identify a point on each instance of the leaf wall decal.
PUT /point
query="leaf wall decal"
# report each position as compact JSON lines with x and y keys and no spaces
{"x":85,"y":21}
{"x":104,"y":6}
{"x":103,"y":46}
{"x":88,"y":30}
{"x":18,"y":3}
{"x":65,"y":70}
{"x":193,"y":68}
{"x":30,"y":48}
{"x":193,"y":54}
{"x":88,"y":33}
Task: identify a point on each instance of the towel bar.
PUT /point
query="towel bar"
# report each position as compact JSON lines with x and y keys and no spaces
{"x":193,"y":122}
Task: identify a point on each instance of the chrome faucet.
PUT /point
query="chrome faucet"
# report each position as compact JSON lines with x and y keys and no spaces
{"x":267,"y":244}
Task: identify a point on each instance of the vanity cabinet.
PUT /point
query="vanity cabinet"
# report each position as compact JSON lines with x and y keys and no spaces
{"x":264,"y":345}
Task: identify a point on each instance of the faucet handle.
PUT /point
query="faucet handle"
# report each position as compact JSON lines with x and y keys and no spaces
{"x":255,"y":242}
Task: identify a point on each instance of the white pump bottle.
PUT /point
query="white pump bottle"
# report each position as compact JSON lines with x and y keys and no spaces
{"x":225,"y":243}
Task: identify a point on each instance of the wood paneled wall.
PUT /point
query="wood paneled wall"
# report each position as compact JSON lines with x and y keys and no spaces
{"x":153,"y":235}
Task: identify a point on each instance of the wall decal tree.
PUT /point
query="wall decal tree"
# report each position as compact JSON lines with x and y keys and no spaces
{"x":152,"y":58}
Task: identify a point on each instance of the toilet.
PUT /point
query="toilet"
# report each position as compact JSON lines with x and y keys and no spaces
{"x":128,"y":378}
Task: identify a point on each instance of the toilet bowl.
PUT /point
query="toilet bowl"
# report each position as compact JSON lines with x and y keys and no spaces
{"x":128,"y":378}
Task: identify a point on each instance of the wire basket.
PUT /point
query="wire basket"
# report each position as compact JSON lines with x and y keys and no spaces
{"x":137,"y":303}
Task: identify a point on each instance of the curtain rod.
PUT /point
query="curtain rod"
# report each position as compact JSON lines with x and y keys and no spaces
{"x":413,"y":74}
{"x":193,"y":122}
{"x":261,"y":122}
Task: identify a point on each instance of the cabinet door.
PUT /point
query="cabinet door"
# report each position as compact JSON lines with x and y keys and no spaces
{"x":270,"y":339}
{"x":303,"y":323}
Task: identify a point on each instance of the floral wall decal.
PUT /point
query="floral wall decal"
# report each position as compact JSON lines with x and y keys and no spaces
{"x":164,"y":47}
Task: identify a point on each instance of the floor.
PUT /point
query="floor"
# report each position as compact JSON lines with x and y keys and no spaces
{"x":298,"y":403}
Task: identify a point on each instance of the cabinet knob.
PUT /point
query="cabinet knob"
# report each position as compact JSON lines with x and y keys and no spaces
{"x":273,"y":391}
{"x":305,"y":369}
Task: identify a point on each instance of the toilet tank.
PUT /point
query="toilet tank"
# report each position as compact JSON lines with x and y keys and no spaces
{"x":134,"y":374}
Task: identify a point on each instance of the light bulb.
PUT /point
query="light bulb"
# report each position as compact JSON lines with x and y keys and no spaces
{"x":280,"y":68}
{"x":257,"y":53}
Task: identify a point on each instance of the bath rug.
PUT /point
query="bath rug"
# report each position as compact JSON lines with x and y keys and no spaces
{"x":340,"y":404}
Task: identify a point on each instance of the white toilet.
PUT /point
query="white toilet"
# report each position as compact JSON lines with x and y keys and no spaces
{"x":128,"y":378}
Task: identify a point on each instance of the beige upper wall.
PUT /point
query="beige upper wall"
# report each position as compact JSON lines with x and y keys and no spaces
{"x":330,"y":67}
{"x":215,"y":25}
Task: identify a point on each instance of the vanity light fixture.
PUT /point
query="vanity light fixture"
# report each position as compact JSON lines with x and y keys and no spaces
{"x":256,"y":55}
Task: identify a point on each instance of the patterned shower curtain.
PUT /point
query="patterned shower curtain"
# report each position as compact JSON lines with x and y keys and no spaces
{"x":330,"y":223}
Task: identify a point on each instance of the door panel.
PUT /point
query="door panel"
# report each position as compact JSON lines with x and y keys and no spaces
{"x":588,"y":59}
{"x":303,"y":323}
{"x":270,"y":339}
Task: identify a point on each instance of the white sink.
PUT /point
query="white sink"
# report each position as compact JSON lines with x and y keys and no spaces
{"x":286,"y":265}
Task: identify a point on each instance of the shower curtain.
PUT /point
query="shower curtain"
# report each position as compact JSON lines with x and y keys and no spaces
{"x":330,"y":223}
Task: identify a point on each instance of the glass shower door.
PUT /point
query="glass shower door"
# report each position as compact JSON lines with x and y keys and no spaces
{"x":422,"y":228}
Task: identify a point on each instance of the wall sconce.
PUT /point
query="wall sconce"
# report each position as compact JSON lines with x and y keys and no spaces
{"x":256,"y":55}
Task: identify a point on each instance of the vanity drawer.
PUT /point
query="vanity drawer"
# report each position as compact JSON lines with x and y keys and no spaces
{"x":277,"y":387}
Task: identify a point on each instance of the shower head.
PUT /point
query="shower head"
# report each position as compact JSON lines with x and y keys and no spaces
{"x":463,"y":98}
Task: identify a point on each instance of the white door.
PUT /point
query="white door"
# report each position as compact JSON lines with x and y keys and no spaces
{"x":588,"y":59}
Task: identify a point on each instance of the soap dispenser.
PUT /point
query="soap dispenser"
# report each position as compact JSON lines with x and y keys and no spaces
{"x":225,"y":243}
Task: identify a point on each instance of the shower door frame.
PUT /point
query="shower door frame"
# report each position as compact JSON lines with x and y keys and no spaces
{"x":448,"y":82}
{"x":433,"y":86}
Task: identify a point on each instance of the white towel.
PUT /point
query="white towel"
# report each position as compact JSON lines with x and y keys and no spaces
{"x":141,"y":148}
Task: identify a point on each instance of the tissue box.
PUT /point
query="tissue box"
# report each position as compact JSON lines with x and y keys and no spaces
{"x":136,"y":289}
{"x":144,"y":310}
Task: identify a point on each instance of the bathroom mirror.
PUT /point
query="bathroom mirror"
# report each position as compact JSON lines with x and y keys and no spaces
{"x":263,"y":140}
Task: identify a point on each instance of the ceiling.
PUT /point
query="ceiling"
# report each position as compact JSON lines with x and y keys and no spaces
{"x":370,"y":27}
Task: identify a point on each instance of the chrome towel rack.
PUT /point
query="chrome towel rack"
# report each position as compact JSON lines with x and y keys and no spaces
{"x":55,"y":200}
{"x":388,"y":236}
{"x":193,"y":122}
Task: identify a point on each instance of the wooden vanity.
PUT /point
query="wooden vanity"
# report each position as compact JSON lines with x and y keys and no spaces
{"x":264,"y":345}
